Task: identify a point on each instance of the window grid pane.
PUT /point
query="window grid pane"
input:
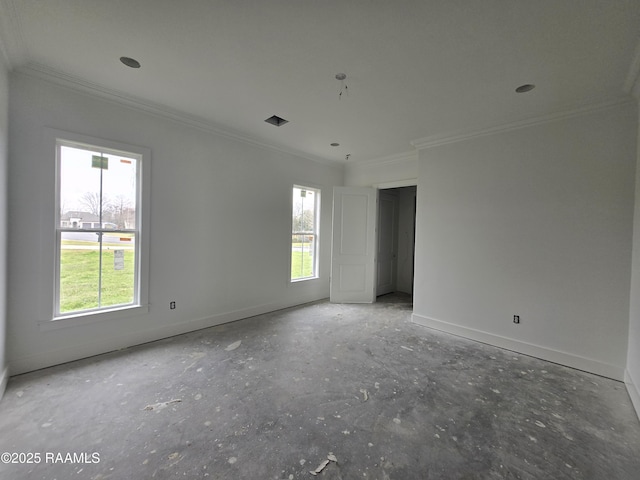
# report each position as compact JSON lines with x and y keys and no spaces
{"x":97,"y":233}
{"x":304,"y":234}
{"x":79,"y":272}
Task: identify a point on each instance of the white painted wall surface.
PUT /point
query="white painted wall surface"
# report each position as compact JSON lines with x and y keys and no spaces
{"x":535,"y":222}
{"x":388,"y":170}
{"x":632,"y":374}
{"x":220,"y":224}
{"x":4,"y":135}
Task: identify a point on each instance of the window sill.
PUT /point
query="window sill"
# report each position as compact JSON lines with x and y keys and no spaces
{"x":93,"y":317}
{"x":303,"y":280}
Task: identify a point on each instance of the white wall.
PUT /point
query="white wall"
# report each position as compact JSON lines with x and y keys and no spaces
{"x":4,"y":135}
{"x":220,"y":225}
{"x":535,"y":222}
{"x":399,"y":168}
{"x":632,"y":374}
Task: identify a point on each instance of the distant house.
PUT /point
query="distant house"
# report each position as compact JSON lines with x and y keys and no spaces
{"x":75,"y":219}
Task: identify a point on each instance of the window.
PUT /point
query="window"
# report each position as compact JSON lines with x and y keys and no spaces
{"x":101,"y":246}
{"x":304,"y":233}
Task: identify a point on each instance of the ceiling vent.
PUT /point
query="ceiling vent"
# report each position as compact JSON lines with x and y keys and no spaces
{"x":277,"y":121}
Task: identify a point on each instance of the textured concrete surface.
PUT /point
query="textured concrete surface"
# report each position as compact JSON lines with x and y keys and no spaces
{"x":272,"y":397}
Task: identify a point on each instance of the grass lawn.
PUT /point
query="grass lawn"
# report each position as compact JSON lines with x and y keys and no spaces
{"x":79,"y":280}
{"x":301,"y":264}
{"x":79,"y":276}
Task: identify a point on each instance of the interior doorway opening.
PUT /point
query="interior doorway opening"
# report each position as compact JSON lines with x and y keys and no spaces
{"x":396,"y":241}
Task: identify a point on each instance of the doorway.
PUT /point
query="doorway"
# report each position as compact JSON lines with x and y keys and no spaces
{"x":396,"y":240}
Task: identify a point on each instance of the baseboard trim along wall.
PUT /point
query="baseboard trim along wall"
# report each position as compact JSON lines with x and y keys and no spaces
{"x":56,"y":357}
{"x":555,"y":356}
{"x":634,"y":393}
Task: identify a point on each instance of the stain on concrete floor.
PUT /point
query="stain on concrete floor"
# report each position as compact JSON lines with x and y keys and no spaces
{"x":271,"y":397}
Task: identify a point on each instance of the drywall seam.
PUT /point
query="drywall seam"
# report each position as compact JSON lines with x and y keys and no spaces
{"x":411,"y":156}
{"x":634,"y":393}
{"x":634,"y":71}
{"x":555,"y":356}
{"x":38,"y":361}
{"x":12,"y":39}
{"x":4,"y":379}
{"x":410,"y":182}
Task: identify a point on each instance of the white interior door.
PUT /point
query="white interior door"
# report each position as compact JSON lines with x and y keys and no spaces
{"x":387,"y":258}
{"x":354,"y":245}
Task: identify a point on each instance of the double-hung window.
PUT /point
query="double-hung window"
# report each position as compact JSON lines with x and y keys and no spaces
{"x":101,"y":217}
{"x":304,"y":233}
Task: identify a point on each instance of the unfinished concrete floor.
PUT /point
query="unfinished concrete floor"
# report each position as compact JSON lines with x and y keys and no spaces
{"x":272,"y":396}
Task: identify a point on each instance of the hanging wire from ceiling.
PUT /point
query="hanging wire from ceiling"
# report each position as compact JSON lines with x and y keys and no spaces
{"x":343,"y":85}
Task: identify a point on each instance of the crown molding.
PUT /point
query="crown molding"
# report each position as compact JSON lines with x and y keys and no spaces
{"x":71,"y":82}
{"x":394,"y":159}
{"x":446,"y":138}
{"x":633,"y":75}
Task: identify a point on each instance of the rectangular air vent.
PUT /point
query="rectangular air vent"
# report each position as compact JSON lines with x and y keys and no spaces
{"x":277,"y":121}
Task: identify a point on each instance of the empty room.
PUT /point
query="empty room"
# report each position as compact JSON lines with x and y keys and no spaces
{"x":290,"y":239}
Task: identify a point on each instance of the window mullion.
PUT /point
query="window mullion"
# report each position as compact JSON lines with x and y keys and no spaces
{"x":100,"y":237}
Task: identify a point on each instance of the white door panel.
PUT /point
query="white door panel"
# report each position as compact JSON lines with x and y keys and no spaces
{"x":354,"y":245}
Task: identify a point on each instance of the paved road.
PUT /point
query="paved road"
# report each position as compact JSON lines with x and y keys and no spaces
{"x":97,"y":247}
{"x":93,"y":237}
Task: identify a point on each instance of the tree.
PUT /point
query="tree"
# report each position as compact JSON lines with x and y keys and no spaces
{"x":303,"y":221}
{"x":94,"y":203}
{"x":120,"y":209}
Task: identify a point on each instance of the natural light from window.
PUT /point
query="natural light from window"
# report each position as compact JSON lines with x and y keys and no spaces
{"x":304,"y":233}
{"x":97,"y":229}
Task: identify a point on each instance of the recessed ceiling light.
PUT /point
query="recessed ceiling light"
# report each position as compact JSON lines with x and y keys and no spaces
{"x":277,"y":121}
{"x":527,"y":87}
{"x":130,"y":62}
{"x":334,"y":144}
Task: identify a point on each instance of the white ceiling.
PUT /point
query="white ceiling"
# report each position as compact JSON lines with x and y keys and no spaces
{"x":415,"y":69}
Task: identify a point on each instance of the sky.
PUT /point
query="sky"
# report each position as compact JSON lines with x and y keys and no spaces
{"x":79,"y":175}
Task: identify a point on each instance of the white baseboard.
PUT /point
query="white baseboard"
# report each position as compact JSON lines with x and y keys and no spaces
{"x":4,"y":379}
{"x":634,"y":393}
{"x":38,"y":361}
{"x":544,"y":353}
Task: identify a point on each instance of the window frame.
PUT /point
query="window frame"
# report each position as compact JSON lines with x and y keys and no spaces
{"x":316,"y":232}
{"x":140,"y":302}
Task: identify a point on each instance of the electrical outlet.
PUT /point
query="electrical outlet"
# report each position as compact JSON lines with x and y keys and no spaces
{"x":172,"y":305}
{"x":516,"y":319}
